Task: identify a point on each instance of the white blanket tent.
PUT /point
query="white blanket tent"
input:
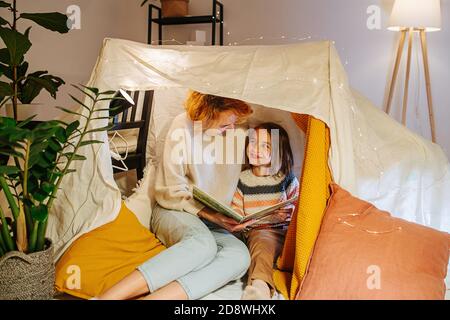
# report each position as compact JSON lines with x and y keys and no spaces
{"x":371,"y":155}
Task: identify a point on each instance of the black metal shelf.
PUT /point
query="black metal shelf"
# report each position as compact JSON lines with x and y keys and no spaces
{"x":211,"y":19}
{"x":186,"y":20}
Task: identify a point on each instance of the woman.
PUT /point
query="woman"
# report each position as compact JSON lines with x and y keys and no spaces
{"x":203,"y":254}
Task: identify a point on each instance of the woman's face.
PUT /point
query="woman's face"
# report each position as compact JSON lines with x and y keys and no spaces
{"x":226,"y":121}
{"x":259,"y":150}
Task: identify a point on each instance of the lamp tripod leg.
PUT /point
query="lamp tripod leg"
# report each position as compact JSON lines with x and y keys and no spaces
{"x":423,"y":41}
{"x":395,"y":73}
{"x":408,"y":72}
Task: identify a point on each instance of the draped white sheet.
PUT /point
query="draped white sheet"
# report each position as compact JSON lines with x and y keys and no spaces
{"x":371,"y":155}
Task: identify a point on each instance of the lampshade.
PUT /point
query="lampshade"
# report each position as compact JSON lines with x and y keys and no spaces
{"x":418,"y":14}
{"x":126,"y":96}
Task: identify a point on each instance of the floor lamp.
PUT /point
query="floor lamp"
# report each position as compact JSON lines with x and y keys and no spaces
{"x":409,"y":17}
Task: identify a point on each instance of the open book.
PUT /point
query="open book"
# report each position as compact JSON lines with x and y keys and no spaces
{"x":218,"y":206}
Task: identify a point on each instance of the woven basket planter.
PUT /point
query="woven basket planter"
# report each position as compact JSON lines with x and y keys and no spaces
{"x":174,"y":8}
{"x":27,"y":276}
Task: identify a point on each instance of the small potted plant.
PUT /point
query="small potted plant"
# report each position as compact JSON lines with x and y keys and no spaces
{"x":173,"y":8}
{"x":33,"y":160}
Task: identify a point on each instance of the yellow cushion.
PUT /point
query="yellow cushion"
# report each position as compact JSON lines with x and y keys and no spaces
{"x":305,"y":224}
{"x":99,"y":259}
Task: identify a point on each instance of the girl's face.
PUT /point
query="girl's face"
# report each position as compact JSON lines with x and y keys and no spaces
{"x":226,"y":121}
{"x":259,"y":150}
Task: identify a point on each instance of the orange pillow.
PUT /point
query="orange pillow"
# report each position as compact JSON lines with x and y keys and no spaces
{"x":101,"y":258}
{"x":364,"y":253}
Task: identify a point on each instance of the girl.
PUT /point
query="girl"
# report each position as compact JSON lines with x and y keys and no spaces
{"x":268,"y":181}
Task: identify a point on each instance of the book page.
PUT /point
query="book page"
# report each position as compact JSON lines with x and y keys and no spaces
{"x":212,"y":203}
{"x":216,"y":205}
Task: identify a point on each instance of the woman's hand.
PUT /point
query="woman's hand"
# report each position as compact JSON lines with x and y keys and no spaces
{"x":223,"y":221}
{"x":285,"y":213}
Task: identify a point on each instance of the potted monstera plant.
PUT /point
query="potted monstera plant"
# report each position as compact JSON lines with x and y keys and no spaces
{"x":34,"y":159}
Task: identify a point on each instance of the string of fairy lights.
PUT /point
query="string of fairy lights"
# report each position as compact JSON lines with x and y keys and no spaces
{"x":369,"y":157}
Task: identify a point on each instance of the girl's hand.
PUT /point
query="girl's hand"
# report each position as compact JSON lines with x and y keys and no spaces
{"x":284,"y":213}
{"x":230,"y":224}
{"x":223,"y":221}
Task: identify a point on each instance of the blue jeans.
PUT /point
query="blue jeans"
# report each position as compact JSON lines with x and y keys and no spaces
{"x":200,"y":257}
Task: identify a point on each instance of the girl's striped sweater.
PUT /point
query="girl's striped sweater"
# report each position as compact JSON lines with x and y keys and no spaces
{"x":256,"y":193}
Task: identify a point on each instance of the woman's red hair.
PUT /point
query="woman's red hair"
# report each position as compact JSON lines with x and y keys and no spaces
{"x":207,"y":107}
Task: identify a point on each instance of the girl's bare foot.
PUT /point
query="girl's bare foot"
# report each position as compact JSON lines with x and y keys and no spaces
{"x":258,"y":290}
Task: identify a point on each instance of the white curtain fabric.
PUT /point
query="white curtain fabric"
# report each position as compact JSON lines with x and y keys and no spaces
{"x":371,"y":155}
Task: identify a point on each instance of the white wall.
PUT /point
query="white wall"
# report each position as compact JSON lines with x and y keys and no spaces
{"x":369,"y":54}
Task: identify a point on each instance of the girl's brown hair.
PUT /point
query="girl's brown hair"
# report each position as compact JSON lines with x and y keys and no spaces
{"x":207,"y":107}
{"x":281,"y":151}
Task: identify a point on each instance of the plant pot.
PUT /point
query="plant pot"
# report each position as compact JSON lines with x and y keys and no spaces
{"x":174,"y":8}
{"x":28,"y":276}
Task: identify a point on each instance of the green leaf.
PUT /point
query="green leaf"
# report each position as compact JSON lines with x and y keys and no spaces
{"x":7,"y":170}
{"x":79,"y":102}
{"x":60,"y":135}
{"x":39,"y":196}
{"x":36,"y":82}
{"x":7,"y":122}
{"x":50,"y":155}
{"x":21,"y":71}
{"x":46,"y":83}
{"x":27,"y":32}
{"x":5,"y":70}
{"x":39,"y":213}
{"x":5,"y":89}
{"x":84,"y":92}
{"x":78,"y":157}
{"x":53,"y":21}
{"x":42,"y":161}
{"x":23,"y":123}
{"x":11,"y":153}
{"x":86,"y":143}
{"x":4,"y":4}
{"x":72,"y":127}
{"x":16,"y":43}
{"x":91,"y":89}
{"x":68,"y":111}
{"x":3,"y":21}
{"x":4,"y":56}
{"x":101,"y":118}
{"x":54,"y":145}
{"x":69,"y":155}
{"x":47,"y":187}
{"x":109,"y":127}
{"x":112,"y":99}
{"x":108,"y":93}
